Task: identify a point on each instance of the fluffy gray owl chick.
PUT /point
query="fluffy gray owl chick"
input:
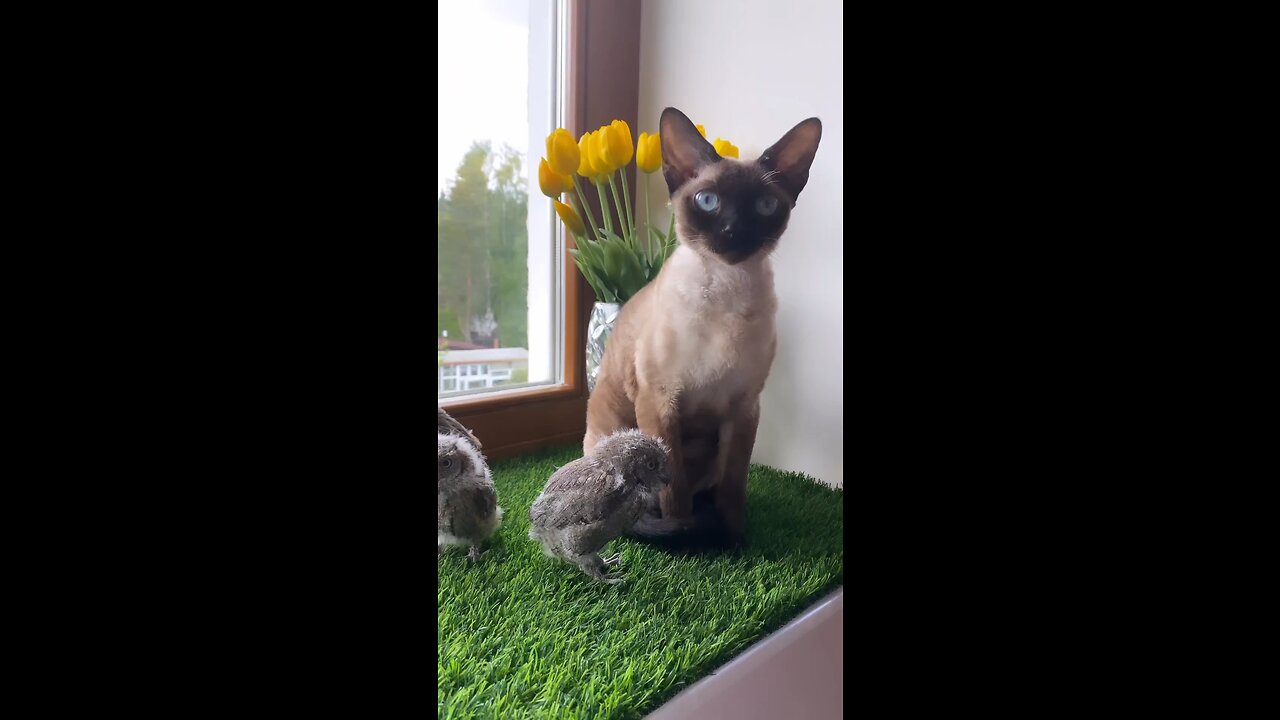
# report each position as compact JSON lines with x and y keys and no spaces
{"x":446,"y":425}
{"x":595,"y":499}
{"x":466,"y":498}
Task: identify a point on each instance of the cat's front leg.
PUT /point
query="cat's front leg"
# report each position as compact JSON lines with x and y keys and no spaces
{"x":658,"y":414}
{"x":731,"y":494}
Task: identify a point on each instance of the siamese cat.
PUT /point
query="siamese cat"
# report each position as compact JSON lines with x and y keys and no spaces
{"x":690,"y":352}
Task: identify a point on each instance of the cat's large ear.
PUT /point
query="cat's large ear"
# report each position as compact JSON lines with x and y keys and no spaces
{"x":684,"y":151}
{"x":792,"y":155}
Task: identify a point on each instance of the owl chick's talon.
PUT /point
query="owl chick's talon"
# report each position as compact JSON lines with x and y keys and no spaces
{"x":617,"y":557}
{"x":598,"y":574}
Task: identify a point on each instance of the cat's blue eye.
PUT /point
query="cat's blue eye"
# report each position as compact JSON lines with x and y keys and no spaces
{"x":767,"y":205}
{"x":707,"y":201}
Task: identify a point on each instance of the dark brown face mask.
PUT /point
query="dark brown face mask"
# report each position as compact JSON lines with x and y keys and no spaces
{"x":734,"y":210}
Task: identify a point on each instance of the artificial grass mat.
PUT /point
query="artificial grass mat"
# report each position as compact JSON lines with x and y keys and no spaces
{"x":523,"y":635}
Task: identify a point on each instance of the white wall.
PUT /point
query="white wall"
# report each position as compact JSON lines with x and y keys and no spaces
{"x":749,"y":70}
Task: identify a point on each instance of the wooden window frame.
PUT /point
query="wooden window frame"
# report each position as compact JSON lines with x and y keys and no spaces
{"x":603,"y":83}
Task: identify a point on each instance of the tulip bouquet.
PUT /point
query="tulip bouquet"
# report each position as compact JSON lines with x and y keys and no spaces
{"x":616,"y":261}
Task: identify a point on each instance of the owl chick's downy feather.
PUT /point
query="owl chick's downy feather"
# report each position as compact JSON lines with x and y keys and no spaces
{"x":466,"y":499}
{"x":446,"y":425}
{"x":595,"y":499}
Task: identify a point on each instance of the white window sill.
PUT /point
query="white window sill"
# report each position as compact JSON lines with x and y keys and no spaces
{"x":795,"y":672}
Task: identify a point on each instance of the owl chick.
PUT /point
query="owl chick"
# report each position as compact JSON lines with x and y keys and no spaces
{"x":467,"y":501}
{"x":595,"y":499}
{"x":446,"y":425}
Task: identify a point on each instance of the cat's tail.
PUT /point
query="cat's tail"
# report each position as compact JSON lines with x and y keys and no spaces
{"x":703,"y":526}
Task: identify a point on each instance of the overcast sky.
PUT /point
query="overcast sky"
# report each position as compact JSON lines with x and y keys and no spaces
{"x":484,"y":77}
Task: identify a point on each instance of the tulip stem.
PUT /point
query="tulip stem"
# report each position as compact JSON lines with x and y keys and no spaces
{"x":582,"y":199}
{"x":626,"y":197}
{"x":604,"y":207}
{"x":622,"y":221}
{"x":648,"y":219}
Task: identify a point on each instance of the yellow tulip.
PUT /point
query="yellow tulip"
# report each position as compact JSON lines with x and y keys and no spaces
{"x":599,"y":168}
{"x":584,"y":156}
{"x":552,"y":183}
{"x":702,"y":130}
{"x":615,"y":145}
{"x":601,"y":158}
{"x":589,"y":165}
{"x":562,"y":152}
{"x":570,"y":218}
{"x":649,"y":152}
{"x":725,"y":148}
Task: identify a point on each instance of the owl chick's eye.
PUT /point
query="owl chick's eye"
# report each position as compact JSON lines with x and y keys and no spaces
{"x":652,"y":464}
{"x":707,"y":201}
{"x":767,"y":205}
{"x":446,"y":463}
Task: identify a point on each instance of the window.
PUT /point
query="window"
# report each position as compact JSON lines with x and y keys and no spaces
{"x":589,"y":62}
{"x":500,"y":294}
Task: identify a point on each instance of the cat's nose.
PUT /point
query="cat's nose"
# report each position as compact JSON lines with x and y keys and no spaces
{"x":727,"y":230}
